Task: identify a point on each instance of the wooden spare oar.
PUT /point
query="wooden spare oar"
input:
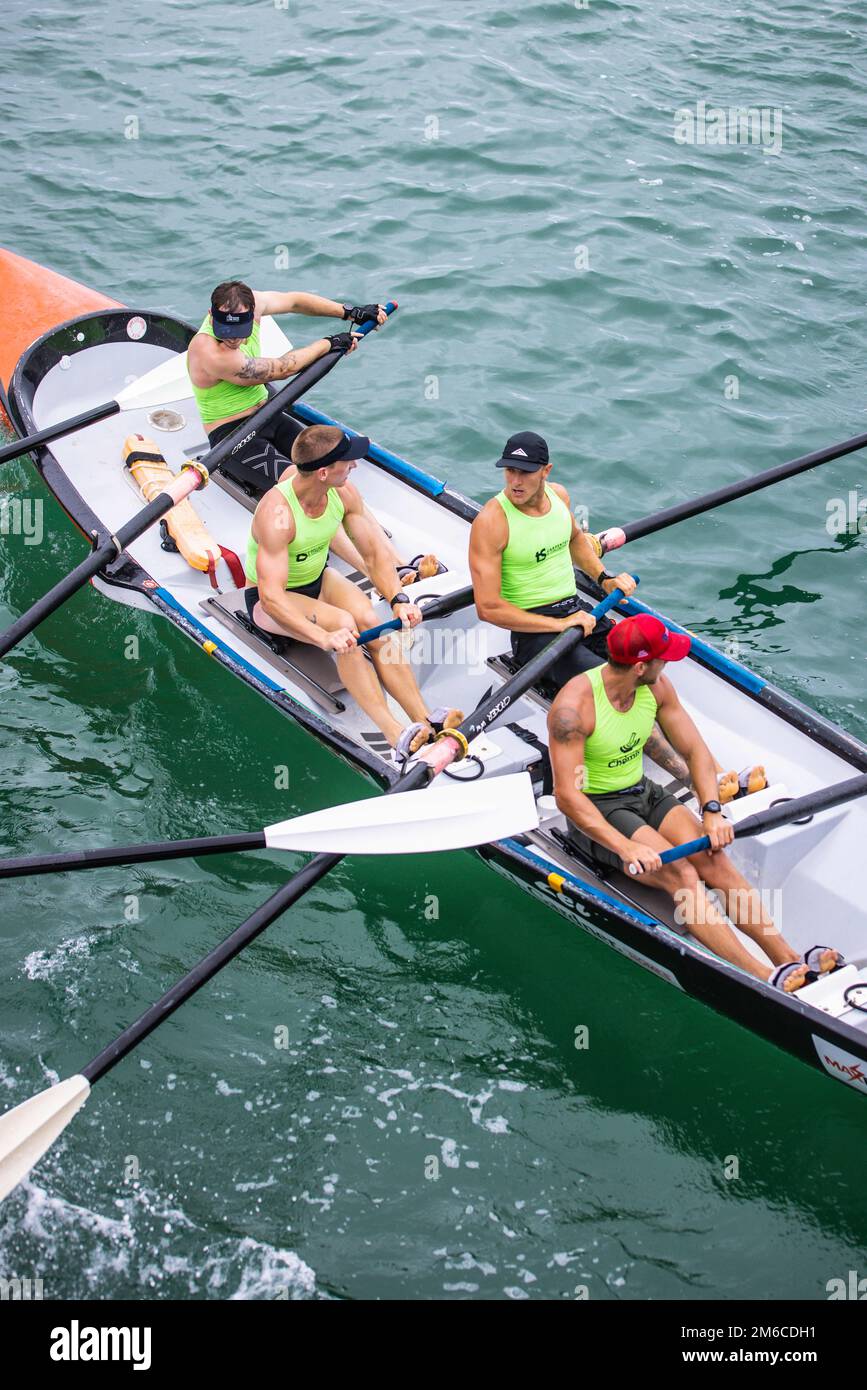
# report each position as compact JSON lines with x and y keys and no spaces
{"x":29,"y":1130}
{"x":777,"y":816}
{"x":190,"y":478}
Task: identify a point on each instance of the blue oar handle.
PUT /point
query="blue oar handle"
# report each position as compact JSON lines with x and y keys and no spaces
{"x":684,"y":851}
{"x":370,"y":324}
{"x":370,"y":634}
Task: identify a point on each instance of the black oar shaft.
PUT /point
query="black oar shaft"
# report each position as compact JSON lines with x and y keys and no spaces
{"x":130,"y":854}
{"x":809,"y":805}
{"x":208,"y":966}
{"x":63,"y":427}
{"x":77,"y":578}
{"x":528,"y":675}
{"x":248,"y":429}
{"x":681,"y":511}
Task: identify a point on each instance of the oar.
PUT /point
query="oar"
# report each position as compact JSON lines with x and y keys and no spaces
{"x":776,"y":816}
{"x":423,"y":821}
{"x":437,"y":608}
{"x":616,"y":536}
{"x":29,"y":1130}
{"x":185,"y":483}
{"x":166,"y":383}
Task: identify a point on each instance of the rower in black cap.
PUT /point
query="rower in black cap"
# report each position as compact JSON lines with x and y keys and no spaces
{"x":523,"y":545}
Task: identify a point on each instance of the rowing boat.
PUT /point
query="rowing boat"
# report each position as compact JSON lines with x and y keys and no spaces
{"x":808,"y":870}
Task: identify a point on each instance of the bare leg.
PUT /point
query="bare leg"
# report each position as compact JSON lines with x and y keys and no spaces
{"x":743,"y":902}
{"x":397,"y":677}
{"x":697,"y":910}
{"x":356,"y":672}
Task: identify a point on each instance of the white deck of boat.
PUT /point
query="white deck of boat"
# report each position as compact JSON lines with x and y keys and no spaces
{"x":816,"y":866}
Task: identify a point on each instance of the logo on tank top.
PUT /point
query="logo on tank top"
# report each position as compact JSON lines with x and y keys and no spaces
{"x":630,"y":749}
{"x":550,"y":550}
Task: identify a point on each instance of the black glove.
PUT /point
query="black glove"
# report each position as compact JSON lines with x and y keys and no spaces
{"x":360,"y":313}
{"x":343,"y":341}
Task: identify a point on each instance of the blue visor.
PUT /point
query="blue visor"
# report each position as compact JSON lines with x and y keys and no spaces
{"x":231,"y":324}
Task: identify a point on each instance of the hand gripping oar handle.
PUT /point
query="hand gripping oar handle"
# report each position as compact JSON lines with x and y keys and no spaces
{"x":27,"y":1131}
{"x":616,"y":536}
{"x":181,"y":487}
{"x":777,"y":816}
{"x":437,"y":608}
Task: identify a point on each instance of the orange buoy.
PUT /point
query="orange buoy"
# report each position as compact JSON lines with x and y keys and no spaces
{"x":35,"y":300}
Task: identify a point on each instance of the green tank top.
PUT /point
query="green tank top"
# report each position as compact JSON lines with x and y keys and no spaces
{"x":308,"y":552}
{"x":216,"y":402}
{"x":537,"y":565}
{"x":613,"y":754}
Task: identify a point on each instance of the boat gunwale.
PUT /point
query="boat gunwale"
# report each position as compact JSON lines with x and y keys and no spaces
{"x":699,"y":965}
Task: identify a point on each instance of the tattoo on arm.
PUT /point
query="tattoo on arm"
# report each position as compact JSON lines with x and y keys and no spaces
{"x":565,"y":726}
{"x":256,"y":369}
{"x":264,"y":369}
{"x":661,"y":752}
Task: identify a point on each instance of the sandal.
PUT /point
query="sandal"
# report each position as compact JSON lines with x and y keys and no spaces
{"x":421,"y":567}
{"x":782,"y":977}
{"x":411,"y":739}
{"x":814,"y":959}
{"x":736,"y":784}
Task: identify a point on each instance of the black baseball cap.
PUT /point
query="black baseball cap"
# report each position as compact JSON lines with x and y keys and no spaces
{"x":526,"y":451}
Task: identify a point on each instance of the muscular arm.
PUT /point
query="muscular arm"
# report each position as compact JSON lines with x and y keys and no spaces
{"x":685,"y":738}
{"x":295,"y":302}
{"x":489,"y":536}
{"x":571,"y":720}
{"x":370,"y":541}
{"x":247,"y":371}
{"x":584,"y":555}
{"x":274,"y":529}
{"x":580,"y":547}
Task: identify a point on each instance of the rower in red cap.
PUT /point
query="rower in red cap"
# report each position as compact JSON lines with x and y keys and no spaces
{"x":599,"y":724}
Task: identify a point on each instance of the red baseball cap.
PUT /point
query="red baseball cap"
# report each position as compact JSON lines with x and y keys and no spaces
{"x":644,"y":638}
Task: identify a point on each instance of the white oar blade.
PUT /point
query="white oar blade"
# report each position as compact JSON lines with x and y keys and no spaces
{"x":170,"y":381}
{"x":166,"y":383}
{"x":28,"y":1131}
{"x":451,"y":816}
{"x":272,"y":340}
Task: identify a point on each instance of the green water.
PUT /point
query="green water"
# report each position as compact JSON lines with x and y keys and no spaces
{"x":510,"y":175}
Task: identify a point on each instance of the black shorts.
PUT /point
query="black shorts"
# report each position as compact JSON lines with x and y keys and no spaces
{"x":591,"y":652}
{"x":259,"y":465}
{"x":644,"y":803}
{"x":251,"y":594}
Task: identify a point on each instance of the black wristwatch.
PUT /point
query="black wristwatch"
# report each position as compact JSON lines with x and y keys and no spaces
{"x":711,"y":806}
{"x":399,"y":598}
{"x":602,"y":576}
